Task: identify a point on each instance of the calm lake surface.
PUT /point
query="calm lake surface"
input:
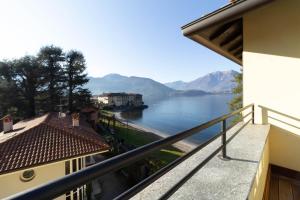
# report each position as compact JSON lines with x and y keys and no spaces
{"x":177,"y":114}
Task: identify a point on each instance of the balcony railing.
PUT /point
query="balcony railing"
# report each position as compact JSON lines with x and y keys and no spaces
{"x":61,"y":186}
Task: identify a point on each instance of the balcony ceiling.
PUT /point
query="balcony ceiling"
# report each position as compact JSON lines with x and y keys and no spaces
{"x":222,"y":30}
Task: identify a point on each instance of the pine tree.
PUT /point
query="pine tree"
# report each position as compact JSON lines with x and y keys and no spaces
{"x":76,"y":78}
{"x":82,"y":98}
{"x":28,"y":81}
{"x":31,"y":85}
{"x":237,"y":101}
{"x":51,"y":60}
{"x":10,"y":102}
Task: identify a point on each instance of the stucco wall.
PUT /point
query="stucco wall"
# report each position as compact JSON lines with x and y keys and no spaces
{"x":271,"y":67}
{"x":259,"y":182}
{"x":11,"y":183}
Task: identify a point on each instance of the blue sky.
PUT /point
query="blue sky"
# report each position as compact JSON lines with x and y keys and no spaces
{"x":129,"y":37}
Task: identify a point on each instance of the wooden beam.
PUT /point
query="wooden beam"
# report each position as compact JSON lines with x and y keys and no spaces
{"x":238,"y":51}
{"x":221,"y":30}
{"x":231,"y":37}
{"x":238,"y":31}
{"x":238,"y":55}
{"x":214,"y":47}
{"x":236,"y":45}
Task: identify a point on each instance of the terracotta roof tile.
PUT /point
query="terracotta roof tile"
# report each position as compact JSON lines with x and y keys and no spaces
{"x":46,"y":140}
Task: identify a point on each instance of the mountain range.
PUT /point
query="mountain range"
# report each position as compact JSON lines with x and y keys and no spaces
{"x":216,"y":82}
{"x":149,"y":88}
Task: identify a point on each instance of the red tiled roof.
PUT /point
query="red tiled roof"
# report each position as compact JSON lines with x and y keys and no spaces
{"x":46,"y":139}
{"x":89,"y":109}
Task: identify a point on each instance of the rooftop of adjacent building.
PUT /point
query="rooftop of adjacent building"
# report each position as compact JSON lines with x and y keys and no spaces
{"x":45,"y":139}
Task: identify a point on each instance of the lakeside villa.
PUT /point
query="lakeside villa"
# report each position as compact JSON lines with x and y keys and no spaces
{"x":119,"y":99}
{"x":255,"y":158}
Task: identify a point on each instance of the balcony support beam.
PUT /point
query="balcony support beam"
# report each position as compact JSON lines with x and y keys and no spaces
{"x":224,"y":153}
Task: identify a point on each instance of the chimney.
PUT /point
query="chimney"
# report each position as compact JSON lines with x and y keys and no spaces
{"x":75,"y":119}
{"x":7,"y":123}
{"x":61,"y":115}
{"x":233,"y":1}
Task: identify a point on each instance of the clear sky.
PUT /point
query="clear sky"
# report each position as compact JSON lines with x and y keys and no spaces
{"x":129,"y":37}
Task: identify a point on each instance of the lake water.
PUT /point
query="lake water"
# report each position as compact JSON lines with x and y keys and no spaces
{"x":177,"y":114}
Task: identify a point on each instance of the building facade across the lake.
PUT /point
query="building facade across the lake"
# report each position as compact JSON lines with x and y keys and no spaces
{"x":120,"y":99}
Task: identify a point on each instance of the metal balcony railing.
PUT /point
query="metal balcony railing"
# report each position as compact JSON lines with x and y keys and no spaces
{"x":61,"y":186}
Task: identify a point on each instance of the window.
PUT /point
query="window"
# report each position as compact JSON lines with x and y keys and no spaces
{"x":68,"y":197}
{"x":67,"y":167}
{"x":67,"y":171}
{"x":79,"y":163}
{"x":70,"y":167}
{"x":27,"y":175}
{"x":80,"y":194}
{"x":75,"y":197}
{"x":88,"y":159}
{"x":74,"y":165}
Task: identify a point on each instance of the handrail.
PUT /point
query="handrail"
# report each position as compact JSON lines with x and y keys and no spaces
{"x":67,"y":183}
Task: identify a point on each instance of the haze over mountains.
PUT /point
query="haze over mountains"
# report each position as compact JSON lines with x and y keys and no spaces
{"x":216,"y":82}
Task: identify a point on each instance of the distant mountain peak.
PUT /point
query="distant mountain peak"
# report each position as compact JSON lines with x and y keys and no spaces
{"x":149,"y":88}
{"x":113,"y":75}
{"x":218,"y":81}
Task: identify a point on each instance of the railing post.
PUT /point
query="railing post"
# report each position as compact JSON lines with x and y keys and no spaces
{"x":224,"y":138}
{"x":253,"y":114}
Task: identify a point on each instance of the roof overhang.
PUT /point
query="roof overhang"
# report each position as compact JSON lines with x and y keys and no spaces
{"x":222,"y":30}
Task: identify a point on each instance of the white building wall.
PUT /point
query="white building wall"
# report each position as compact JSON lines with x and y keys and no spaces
{"x":271,"y":68}
{"x":120,"y":100}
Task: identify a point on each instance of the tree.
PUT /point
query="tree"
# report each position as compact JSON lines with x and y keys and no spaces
{"x":9,"y":98}
{"x":39,"y":84}
{"x":82,"y":98}
{"x":76,"y":78}
{"x":237,"y":101}
{"x":51,"y":59}
{"x":28,"y":80}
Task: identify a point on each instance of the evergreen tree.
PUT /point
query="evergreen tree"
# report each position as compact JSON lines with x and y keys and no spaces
{"x":51,"y":60}
{"x":9,"y":98}
{"x":76,"y":78}
{"x":237,"y":101}
{"x":39,"y":84}
{"x":83,"y":98}
{"x":28,"y":81}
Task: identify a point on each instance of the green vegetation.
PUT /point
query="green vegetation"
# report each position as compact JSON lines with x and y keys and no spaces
{"x":107,"y":113}
{"x":237,"y":101}
{"x":38,"y":84}
{"x":75,"y":76}
{"x":137,"y":138}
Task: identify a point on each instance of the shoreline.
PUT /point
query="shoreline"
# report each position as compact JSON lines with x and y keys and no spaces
{"x":183,"y":145}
